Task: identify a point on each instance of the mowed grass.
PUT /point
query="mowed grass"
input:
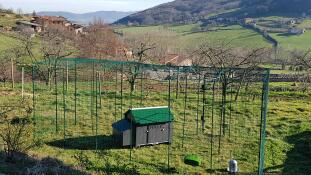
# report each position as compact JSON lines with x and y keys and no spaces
{"x":289,"y":115}
{"x":301,"y":42}
{"x":237,"y":35}
{"x":306,"y":24}
{"x":6,"y":42}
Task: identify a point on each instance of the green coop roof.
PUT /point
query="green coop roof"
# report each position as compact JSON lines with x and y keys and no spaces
{"x":150,"y":115}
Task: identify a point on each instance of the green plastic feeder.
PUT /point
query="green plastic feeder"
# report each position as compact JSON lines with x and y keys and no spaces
{"x":193,"y":160}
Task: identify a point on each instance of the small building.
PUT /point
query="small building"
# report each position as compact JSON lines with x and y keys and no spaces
{"x":297,"y":31}
{"x":148,"y":126}
{"x":176,"y":60}
{"x":292,"y":22}
{"x":28,"y":26}
{"x":79,"y":29}
{"x":50,"y":20}
{"x":248,"y":20}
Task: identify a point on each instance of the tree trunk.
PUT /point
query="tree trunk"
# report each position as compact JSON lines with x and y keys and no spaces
{"x":133,"y":87}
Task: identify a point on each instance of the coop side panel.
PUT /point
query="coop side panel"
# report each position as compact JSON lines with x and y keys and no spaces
{"x":126,"y":138}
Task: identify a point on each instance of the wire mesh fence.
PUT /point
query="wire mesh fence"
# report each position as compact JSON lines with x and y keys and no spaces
{"x":219,"y":113}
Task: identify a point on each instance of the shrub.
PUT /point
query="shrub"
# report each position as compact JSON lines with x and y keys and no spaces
{"x":16,"y":132}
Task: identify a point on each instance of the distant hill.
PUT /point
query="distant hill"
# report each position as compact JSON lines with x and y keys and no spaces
{"x":185,"y":11}
{"x":85,"y":18}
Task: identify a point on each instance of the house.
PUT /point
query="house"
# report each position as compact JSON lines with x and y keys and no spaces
{"x":79,"y":29}
{"x":147,"y":126}
{"x":48,"y":20}
{"x":292,"y":22}
{"x":176,"y":60}
{"x":248,"y":20}
{"x":297,"y":31}
{"x":25,"y":26}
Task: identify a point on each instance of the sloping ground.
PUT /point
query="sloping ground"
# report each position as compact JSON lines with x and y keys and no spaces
{"x":9,"y":20}
{"x":289,"y":42}
{"x":287,"y":148}
{"x":179,"y":11}
{"x":6,"y":42}
{"x":235,"y":34}
{"x":186,"y":11}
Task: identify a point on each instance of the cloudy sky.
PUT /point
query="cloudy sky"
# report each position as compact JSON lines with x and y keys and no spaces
{"x":80,"y":6}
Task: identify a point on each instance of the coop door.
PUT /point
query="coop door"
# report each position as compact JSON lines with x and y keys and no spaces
{"x":153,"y":135}
{"x":141,"y":135}
{"x":164,"y":132}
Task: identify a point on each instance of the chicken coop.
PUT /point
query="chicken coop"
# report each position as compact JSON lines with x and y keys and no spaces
{"x":149,"y":126}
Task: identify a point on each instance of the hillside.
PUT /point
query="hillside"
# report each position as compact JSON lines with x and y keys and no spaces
{"x":8,"y":19}
{"x":186,"y":39}
{"x":185,"y":11}
{"x":85,"y":18}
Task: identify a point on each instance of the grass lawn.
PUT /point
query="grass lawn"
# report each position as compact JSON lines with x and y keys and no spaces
{"x":9,"y":20}
{"x":235,"y":34}
{"x":306,"y":24}
{"x":289,"y":42}
{"x":6,"y":42}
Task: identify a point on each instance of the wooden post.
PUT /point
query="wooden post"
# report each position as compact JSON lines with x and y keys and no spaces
{"x":12,"y":72}
{"x":22,"y":82}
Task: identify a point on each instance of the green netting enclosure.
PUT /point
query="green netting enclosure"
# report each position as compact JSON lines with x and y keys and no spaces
{"x":219,"y":113}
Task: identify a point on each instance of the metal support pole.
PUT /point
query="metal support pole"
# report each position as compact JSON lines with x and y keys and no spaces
{"x":170,"y":117}
{"x":75,"y":92}
{"x":131,"y":133}
{"x":92,"y":96}
{"x":141,"y":89}
{"x":64,"y":105}
{"x":264,"y":111}
{"x":185,"y":106}
{"x":177,"y":84}
{"x":121,"y":107}
{"x":198,"y":103}
{"x":212,"y":129}
{"x":96,"y":110}
{"x":56,"y":98}
{"x":204,"y":103}
{"x":115,"y":97}
{"x":33,"y":95}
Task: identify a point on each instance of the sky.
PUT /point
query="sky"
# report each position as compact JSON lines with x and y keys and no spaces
{"x":80,"y":6}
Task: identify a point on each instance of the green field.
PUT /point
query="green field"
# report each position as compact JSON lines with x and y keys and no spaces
{"x":236,"y":35}
{"x":9,"y":20}
{"x":290,"y":42}
{"x":6,"y":42}
{"x":306,"y":24}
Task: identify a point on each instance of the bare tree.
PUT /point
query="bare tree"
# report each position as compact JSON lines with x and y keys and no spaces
{"x":99,"y":42}
{"x":4,"y":72}
{"x":224,"y":56}
{"x":302,"y":58}
{"x":164,"y":40}
{"x":56,"y":43}
{"x":140,"y":56}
